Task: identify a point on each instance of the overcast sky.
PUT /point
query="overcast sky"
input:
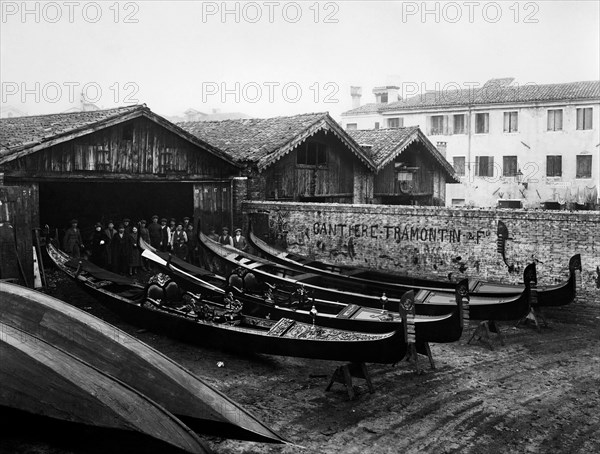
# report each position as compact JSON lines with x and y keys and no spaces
{"x":281,"y":58}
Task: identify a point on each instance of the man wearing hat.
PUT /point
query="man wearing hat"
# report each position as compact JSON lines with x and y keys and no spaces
{"x":164,"y":235}
{"x":72,"y":242}
{"x":98,"y":244}
{"x":225,"y":238}
{"x":126,"y":222}
{"x":239,"y":242}
{"x":144,"y":234}
{"x":154,"y":232}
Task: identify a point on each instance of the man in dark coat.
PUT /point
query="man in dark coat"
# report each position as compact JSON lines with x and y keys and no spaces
{"x":154,"y":231}
{"x":98,"y":244}
{"x":120,"y":248}
{"x":239,"y":242}
{"x":72,"y":242}
{"x":164,"y":235}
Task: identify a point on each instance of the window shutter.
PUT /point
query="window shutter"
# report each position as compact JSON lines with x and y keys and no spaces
{"x":579,"y":118}
{"x":515,"y":125}
{"x":588,"y":119}
{"x":490,"y":166}
{"x":558,"y":117}
{"x":446,"y":125}
{"x":551,"y":120}
{"x":506,"y":121}
{"x":558,"y":166}
{"x":477,"y":166}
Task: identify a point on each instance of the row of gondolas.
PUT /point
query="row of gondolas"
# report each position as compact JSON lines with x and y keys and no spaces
{"x":55,"y":355}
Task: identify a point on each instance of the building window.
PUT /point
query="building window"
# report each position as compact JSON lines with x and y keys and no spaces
{"x":381,"y":97}
{"x":103,"y":159}
{"x":127,"y":132}
{"x":351,"y":127}
{"x":437,"y":125}
{"x":553,"y":166}
{"x":584,"y":118}
{"x":312,"y":154}
{"x":395,"y":122}
{"x":484,"y":166}
{"x":584,"y":166}
{"x":555,"y":119}
{"x":511,"y":121}
{"x":459,"y":165}
{"x":482,"y":123}
{"x":509,"y":166}
{"x":376,"y":125}
{"x":165,"y":160}
{"x":459,"y":124}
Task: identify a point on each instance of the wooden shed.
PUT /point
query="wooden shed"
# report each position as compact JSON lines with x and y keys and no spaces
{"x":307,"y":157}
{"x":115,"y":163}
{"x":410,"y":170}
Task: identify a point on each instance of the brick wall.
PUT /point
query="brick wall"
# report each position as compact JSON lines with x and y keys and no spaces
{"x":429,"y":241}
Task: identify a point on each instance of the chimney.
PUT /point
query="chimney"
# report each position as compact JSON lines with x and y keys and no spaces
{"x":356,"y":93}
{"x":441,"y":146}
{"x":386,"y":94}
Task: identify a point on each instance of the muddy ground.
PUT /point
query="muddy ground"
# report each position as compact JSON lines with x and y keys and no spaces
{"x":540,"y":393}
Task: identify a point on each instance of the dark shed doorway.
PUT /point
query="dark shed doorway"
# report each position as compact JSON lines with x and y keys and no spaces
{"x":91,"y":202}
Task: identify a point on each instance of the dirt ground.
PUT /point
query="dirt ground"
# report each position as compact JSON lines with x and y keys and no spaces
{"x":540,"y":393}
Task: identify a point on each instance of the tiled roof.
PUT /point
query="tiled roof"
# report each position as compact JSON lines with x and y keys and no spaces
{"x":262,"y":141}
{"x":21,"y":132}
{"x":386,"y":144}
{"x":493,"y":92}
{"x":20,"y":136}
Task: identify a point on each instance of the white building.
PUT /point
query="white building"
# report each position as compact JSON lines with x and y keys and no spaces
{"x":530,"y":145}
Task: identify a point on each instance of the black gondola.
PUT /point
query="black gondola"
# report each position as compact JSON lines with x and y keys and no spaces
{"x":196,"y":322}
{"x":428,"y":301}
{"x":275,"y":304}
{"x":548,"y":295}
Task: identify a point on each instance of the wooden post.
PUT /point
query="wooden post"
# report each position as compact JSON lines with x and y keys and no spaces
{"x":462,"y":300}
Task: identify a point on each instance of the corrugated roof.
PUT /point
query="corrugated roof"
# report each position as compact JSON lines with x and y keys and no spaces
{"x":386,"y":144}
{"x":20,"y":136}
{"x":495,"y":91}
{"x":262,"y":141}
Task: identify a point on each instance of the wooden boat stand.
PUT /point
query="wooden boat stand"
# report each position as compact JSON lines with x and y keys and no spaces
{"x":344,"y":374}
{"x":535,"y":311}
{"x":407,"y":311}
{"x":483,"y":333}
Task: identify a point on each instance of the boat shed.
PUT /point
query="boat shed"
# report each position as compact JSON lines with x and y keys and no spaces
{"x":305,"y":158}
{"x":410,"y":170}
{"x":111,"y":164}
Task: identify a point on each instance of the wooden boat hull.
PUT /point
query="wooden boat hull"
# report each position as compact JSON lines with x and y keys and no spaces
{"x":297,"y":339}
{"x":437,"y":303}
{"x":555,"y":295}
{"x":441,"y":328}
{"x":108,"y":348}
{"x":41,"y":379}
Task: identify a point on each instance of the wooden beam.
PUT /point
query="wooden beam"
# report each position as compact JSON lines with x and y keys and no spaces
{"x":71,"y":177}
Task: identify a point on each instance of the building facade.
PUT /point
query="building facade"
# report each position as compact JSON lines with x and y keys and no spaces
{"x":512,"y":146}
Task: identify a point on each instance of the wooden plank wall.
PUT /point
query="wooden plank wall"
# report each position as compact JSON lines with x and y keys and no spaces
{"x":212,"y":205}
{"x":19,"y":214}
{"x":288,"y":180}
{"x":136,"y":147}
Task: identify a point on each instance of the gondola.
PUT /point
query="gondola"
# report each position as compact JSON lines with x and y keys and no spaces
{"x":40,"y":379}
{"x":207,"y":323}
{"x":115,"y":352}
{"x":549,"y":295}
{"x":428,"y":301}
{"x":275,"y":304}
